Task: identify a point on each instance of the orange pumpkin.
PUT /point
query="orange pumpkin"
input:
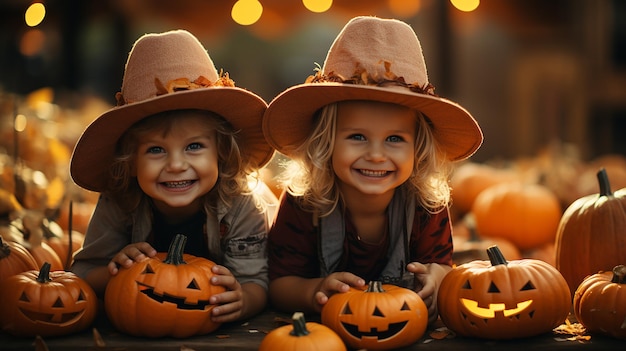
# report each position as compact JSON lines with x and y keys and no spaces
{"x":14,"y":259}
{"x":528,"y":215}
{"x":46,"y":303}
{"x":381,"y":317}
{"x":496,"y":299}
{"x":163,"y":297}
{"x":600,"y":303}
{"x":590,"y":236}
{"x":302,"y":336}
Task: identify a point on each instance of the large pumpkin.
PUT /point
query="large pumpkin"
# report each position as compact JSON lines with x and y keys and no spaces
{"x":496,"y":299}
{"x":302,"y":336}
{"x":600,"y":302}
{"x":46,"y":303}
{"x":591,"y":236}
{"x":163,"y":297}
{"x":528,"y":215}
{"x":14,"y":259}
{"x":381,"y":317}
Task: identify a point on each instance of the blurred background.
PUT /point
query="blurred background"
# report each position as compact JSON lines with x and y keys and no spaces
{"x":546,"y":80}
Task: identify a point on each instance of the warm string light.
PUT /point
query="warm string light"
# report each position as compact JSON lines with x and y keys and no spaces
{"x":34,"y":15}
{"x":246,"y":12}
{"x":466,"y":5}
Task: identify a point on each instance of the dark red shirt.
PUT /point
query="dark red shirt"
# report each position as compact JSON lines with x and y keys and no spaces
{"x":293,"y":244}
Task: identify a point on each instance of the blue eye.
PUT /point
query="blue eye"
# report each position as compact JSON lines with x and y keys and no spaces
{"x":155,"y":150}
{"x":395,"y":139}
{"x":194,"y":146}
{"x":359,"y":137}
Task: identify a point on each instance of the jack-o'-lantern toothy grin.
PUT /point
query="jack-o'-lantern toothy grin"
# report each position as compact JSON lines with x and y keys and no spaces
{"x":394,"y":329}
{"x":490,"y":312}
{"x":180,"y":302}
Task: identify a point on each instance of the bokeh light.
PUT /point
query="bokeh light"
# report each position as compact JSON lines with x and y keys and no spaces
{"x":246,"y":12}
{"x":466,"y":5}
{"x":404,"y":8}
{"x":35,"y":13}
{"x":317,"y":5}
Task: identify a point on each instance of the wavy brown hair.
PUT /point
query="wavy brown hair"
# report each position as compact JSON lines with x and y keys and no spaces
{"x":310,"y":176}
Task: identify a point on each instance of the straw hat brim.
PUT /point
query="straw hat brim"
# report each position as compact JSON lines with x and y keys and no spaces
{"x":95,"y":150}
{"x":289,"y":117}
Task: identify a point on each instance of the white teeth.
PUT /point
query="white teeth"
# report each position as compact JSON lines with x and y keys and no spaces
{"x":180,"y":184}
{"x":371,"y":173}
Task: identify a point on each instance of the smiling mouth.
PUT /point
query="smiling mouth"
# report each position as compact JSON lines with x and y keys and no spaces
{"x":371,"y":173}
{"x":394,"y":329}
{"x":179,"y":184}
{"x":490,"y":312}
{"x":180,"y":302}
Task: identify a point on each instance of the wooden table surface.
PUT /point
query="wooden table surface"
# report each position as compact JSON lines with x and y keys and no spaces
{"x":248,"y":336}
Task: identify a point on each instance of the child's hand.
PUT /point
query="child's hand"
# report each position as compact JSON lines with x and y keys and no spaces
{"x":130,"y":254}
{"x":336,"y":283}
{"x":230,"y":302}
{"x":427,"y":280}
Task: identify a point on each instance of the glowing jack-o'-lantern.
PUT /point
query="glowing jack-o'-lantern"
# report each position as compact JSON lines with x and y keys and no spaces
{"x":40,"y":302}
{"x":380,"y":317}
{"x":163,"y":296}
{"x":497,"y":299}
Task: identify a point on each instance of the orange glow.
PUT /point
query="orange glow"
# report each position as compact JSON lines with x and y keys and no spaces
{"x":404,"y":8}
{"x":32,"y":42}
{"x":246,"y":12}
{"x":466,"y":5}
{"x":490,"y":312}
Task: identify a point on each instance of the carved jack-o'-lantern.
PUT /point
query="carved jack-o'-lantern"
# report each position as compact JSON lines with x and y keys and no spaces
{"x":381,"y":317}
{"x":163,"y":297}
{"x":497,"y":299}
{"x":40,"y":302}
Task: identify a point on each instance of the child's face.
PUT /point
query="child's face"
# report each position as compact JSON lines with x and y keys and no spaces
{"x":177,"y":168}
{"x":374,"y":147}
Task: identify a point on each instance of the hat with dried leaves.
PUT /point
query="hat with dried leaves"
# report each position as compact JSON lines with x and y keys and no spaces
{"x":164,"y":72}
{"x":378,"y":60}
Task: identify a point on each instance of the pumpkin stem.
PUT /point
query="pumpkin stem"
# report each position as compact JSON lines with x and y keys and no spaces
{"x":299,"y":325}
{"x":619,"y":274}
{"x":175,"y":251}
{"x":603,"y":181}
{"x":375,"y":286}
{"x":44,"y":273}
{"x":495,"y":255}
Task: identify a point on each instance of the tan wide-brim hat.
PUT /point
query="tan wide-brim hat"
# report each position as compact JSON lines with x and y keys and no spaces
{"x":378,"y":60}
{"x":168,"y":71}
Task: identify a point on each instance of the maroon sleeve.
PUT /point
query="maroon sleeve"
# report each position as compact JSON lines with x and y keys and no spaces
{"x":292,"y":242}
{"x":431,"y":237}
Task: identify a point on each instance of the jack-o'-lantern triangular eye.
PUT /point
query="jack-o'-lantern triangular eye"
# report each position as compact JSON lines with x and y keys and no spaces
{"x":81,"y":296}
{"x":405,"y":307}
{"x":193,"y":285}
{"x":466,"y":285}
{"x":58,"y":303}
{"x":377,"y":312}
{"x":346,"y":309}
{"x":528,"y":286}
{"x":148,"y":270}
{"x":24,"y":298}
{"x":493,"y":288}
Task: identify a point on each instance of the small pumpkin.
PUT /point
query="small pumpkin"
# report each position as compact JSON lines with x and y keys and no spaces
{"x":14,"y":259}
{"x":590,"y":237}
{"x":380,"y":317}
{"x":163,"y":296}
{"x":46,"y":303}
{"x":496,"y":299}
{"x":526,"y":214}
{"x":302,"y":336}
{"x":600,"y":303}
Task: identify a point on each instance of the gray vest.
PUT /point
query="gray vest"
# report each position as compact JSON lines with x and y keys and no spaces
{"x":401,"y":211}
